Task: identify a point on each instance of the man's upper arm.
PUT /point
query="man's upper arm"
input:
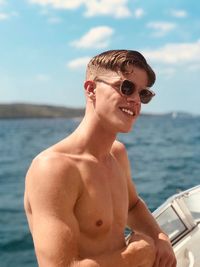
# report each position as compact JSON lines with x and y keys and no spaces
{"x":52,"y":192}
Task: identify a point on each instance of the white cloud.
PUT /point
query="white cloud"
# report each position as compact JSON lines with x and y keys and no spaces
{"x":161,"y":28}
{"x":115,"y":8}
{"x":98,"y":37}
{"x":176,"y":53}
{"x":178,"y":13}
{"x":59,"y":4}
{"x":4,"y":16}
{"x":78,"y":63}
{"x":138,"y":13}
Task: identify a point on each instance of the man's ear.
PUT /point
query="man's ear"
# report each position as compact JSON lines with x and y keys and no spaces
{"x":89,"y":86}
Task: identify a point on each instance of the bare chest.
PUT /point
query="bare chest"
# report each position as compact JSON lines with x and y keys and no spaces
{"x":103,"y":206}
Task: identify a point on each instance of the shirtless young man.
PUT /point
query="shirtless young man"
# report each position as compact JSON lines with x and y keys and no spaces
{"x":79,"y":194}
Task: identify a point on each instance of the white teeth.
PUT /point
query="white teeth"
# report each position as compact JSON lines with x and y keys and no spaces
{"x":128,"y":111}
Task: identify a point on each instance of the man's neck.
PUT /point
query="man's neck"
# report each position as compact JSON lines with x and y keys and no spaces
{"x":92,"y":138}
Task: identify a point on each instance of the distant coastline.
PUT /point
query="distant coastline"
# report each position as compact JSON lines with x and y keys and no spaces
{"x":28,"y":111}
{"x":23,"y":111}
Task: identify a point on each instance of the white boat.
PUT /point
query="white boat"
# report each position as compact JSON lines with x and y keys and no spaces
{"x":179,"y":217}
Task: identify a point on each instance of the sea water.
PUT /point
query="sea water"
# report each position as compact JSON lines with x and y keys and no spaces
{"x":164,"y":153}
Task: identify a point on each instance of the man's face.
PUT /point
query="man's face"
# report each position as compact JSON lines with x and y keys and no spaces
{"x":117,"y":111}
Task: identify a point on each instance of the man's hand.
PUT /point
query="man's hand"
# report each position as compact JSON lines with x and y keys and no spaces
{"x":165,"y":256}
{"x":140,"y":250}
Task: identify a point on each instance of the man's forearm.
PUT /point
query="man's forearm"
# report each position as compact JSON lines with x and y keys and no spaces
{"x":106,"y":260}
{"x":140,"y":252}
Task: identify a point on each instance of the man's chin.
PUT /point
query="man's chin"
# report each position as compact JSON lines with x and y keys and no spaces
{"x":130,"y":126}
{"x":127,"y":130}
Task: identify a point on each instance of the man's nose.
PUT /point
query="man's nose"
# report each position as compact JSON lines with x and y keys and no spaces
{"x":134,"y":97}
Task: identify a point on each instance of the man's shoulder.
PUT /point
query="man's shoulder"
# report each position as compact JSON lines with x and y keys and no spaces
{"x":52,"y":168}
{"x":52,"y":184}
{"x":50,"y":160}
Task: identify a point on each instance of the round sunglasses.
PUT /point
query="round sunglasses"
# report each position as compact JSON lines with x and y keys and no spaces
{"x":127,"y":88}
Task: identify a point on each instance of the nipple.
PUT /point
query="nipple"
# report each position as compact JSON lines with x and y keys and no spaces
{"x":99,"y":223}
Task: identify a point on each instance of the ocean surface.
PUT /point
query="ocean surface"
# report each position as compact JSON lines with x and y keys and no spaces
{"x":164,"y":152}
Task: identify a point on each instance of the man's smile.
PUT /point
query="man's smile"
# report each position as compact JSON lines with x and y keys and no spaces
{"x":128,"y":111}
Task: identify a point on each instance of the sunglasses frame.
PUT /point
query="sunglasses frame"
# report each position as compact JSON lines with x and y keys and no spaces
{"x":131,"y":90}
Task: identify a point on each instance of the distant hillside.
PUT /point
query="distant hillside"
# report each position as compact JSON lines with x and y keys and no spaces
{"x":16,"y":111}
{"x":12,"y":111}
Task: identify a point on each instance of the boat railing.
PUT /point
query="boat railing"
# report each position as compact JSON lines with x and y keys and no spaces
{"x":180,"y":213}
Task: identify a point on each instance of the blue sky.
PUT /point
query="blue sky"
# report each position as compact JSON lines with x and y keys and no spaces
{"x":46,"y":44}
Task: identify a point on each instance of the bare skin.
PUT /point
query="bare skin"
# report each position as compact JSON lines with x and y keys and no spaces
{"x":79,"y":195}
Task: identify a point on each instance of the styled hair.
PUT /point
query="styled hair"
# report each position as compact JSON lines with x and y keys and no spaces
{"x":119,"y":60}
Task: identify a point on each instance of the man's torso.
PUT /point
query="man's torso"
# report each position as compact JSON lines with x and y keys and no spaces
{"x":102,"y":207}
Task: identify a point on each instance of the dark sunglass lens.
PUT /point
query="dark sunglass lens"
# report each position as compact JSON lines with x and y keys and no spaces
{"x":145,"y":96}
{"x":127,"y":87}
